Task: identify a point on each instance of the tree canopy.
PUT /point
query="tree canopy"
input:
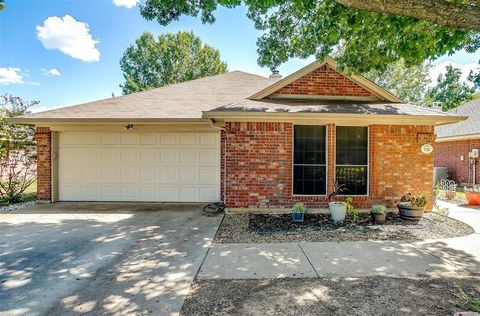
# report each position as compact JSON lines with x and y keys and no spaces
{"x":449,"y":90}
{"x":171,"y":58}
{"x":369,"y":39}
{"x":408,"y":82}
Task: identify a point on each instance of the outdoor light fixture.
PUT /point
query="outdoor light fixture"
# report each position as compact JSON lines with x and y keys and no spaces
{"x":128,"y":126}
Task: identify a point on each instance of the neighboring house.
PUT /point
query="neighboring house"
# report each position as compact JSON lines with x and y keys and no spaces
{"x":455,"y":141}
{"x":250,"y":141}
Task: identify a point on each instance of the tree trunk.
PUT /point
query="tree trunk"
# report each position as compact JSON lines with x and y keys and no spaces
{"x":441,"y":12}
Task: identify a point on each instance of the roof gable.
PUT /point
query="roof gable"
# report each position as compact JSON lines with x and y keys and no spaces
{"x":322,"y":81}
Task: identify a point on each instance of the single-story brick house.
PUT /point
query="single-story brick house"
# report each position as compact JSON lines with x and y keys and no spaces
{"x":455,"y":141}
{"x":250,"y":141}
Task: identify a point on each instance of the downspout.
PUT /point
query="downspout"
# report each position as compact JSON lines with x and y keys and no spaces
{"x":224,"y":162}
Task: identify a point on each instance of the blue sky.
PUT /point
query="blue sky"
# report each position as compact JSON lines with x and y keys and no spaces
{"x":56,"y":78}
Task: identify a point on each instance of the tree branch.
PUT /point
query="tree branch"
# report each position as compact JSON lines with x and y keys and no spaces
{"x":441,"y":12}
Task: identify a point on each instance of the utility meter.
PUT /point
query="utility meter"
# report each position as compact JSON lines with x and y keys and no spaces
{"x":474,"y":153}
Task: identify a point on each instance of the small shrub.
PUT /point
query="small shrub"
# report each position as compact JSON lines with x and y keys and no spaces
{"x":353,"y":212}
{"x":378,"y":209}
{"x":414,"y":200}
{"x":299,"y":208}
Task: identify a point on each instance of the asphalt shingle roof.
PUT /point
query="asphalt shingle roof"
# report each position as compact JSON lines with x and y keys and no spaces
{"x":470,"y":126}
{"x":184,"y":100}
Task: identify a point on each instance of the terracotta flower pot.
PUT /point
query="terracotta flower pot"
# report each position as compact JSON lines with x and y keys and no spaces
{"x":379,"y":218}
{"x":473,"y":198}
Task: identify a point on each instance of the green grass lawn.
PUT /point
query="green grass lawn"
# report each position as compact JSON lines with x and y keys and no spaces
{"x":30,"y":193}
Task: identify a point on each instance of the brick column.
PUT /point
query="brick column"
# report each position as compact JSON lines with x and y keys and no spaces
{"x":43,"y":138}
{"x":330,"y":158}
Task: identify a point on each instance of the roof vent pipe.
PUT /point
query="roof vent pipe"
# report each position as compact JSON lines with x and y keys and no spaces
{"x":275,"y":75}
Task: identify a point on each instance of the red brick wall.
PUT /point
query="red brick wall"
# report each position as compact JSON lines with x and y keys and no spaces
{"x":259,"y":165}
{"x":43,"y":138}
{"x":447,"y":154}
{"x":325,"y":81}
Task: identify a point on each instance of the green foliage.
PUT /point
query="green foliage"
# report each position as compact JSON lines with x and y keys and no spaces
{"x":468,"y":298}
{"x":408,"y":82}
{"x":378,"y":209}
{"x":450,"y":91}
{"x":17,"y":150}
{"x":172,"y":58}
{"x":300,"y":28}
{"x":337,"y":189}
{"x":2,"y":5}
{"x":299,"y":208}
{"x":353,"y":212}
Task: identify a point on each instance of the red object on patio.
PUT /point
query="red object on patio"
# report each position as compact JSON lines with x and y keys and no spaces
{"x":473,"y":198}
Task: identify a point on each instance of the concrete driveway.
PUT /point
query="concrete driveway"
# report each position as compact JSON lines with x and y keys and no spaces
{"x":99,"y":258}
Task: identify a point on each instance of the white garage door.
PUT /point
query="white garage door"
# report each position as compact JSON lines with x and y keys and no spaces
{"x":164,"y":167}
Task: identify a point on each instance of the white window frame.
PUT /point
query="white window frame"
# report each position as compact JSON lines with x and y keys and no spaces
{"x":367,"y":165}
{"x":294,"y":164}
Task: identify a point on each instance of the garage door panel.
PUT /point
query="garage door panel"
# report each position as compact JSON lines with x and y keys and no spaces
{"x":188,"y":175}
{"x":110,"y":155}
{"x":208,"y":176}
{"x":90,"y":139}
{"x":130,"y":139}
{"x":168,"y":139}
{"x":168,"y":157}
{"x":71,"y":174}
{"x":208,"y":193}
{"x":209,"y":140}
{"x":90,"y":155}
{"x":110,"y":174}
{"x":149,"y":174}
{"x":110,"y":138}
{"x":169,"y":193}
{"x":208,"y":157}
{"x":129,"y":174}
{"x":187,"y":140}
{"x":70,"y":155}
{"x":169,"y":175}
{"x":168,"y":167}
{"x":148,"y":139}
{"x":188,"y":156}
{"x":129,"y":156}
{"x":90,"y":174}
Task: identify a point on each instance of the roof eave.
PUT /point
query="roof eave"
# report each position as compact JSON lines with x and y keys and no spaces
{"x":373,"y":118}
{"x":37,"y":121}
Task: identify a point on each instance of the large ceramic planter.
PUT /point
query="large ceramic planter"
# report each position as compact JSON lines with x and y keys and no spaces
{"x":338,"y":210}
{"x":410,"y":212}
{"x":473,"y":198}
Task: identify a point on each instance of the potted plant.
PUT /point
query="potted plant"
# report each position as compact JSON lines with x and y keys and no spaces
{"x":473,"y":195}
{"x":338,"y":209}
{"x":412,"y":206}
{"x":298,"y":212}
{"x":379,"y":214}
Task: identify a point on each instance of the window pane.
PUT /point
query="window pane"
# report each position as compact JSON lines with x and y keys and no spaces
{"x":309,"y":180}
{"x":354,"y":178}
{"x":309,"y":145}
{"x":351,"y":145}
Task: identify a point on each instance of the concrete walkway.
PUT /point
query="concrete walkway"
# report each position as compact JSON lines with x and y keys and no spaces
{"x":349,"y":259}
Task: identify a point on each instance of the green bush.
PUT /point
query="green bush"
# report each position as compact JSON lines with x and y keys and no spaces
{"x":378,"y":209}
{"x":299,"y":208}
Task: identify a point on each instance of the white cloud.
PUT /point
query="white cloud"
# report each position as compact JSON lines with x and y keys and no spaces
{"x":441,"y":69}
{"x":70,"y":36}
{"x":126,"y":3}
{"x":51,"y":72}
{"x":10,"y":75}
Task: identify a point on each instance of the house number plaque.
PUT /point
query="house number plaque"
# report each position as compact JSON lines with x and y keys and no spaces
{"x":426,"y":149}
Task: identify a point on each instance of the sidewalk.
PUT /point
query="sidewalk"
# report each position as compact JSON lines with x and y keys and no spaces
{"x":349,"y":259}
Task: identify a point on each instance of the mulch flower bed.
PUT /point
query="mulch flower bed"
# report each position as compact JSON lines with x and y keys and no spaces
{"x":246,"y":228}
